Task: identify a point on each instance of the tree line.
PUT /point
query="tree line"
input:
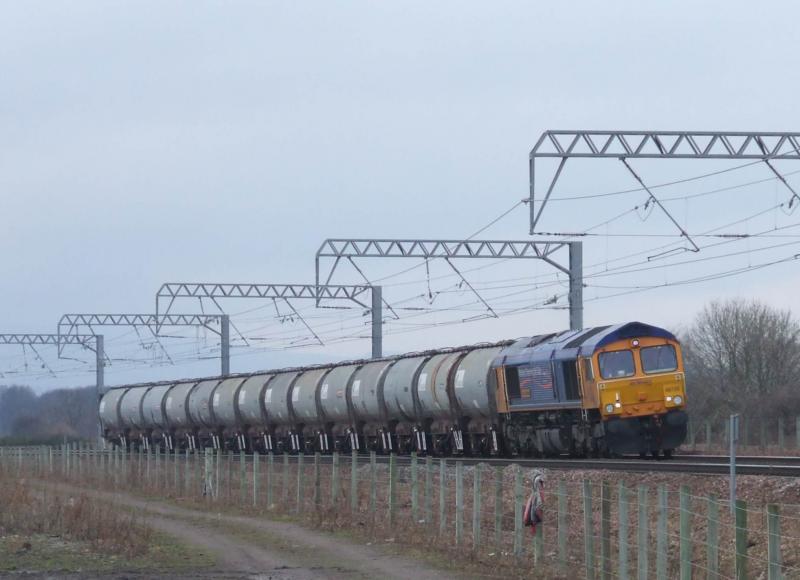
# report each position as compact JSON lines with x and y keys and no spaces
{"x":26,"y":417}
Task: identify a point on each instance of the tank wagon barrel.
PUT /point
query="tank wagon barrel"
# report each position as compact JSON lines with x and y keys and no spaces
{"x":597,"y":391}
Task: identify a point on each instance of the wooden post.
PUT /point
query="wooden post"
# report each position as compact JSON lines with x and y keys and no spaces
{"x":605,"y":531}
{"x":741,"y":539}
{"x":429,"y":491}
{"x":354,"y":482}
{"x":498,"y":507}
{"x":476,"y":508}
{"x":642,"y":539}
{"x":661,"y":534}
{"x":623,"y":531}
{"x":712,"y":538}
{"x":317,"y":482}
{"x":773,"y":544}
{"x":518,"y":507}
{"x":414,"y":490}
{"x":256,"y":469}
{"x":588,"y":530}
{"x":335,"y":481}
{"x":459,"y":502}
{"x":685,"y":534}
{"x":442,"y":496}
{"x":392,"y":489}
{"x":562,"y":526}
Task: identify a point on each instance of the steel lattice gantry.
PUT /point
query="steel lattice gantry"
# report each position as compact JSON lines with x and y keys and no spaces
{"x":286,"y":292}
{"x":91,"y":341}
{"x":624,"y":145}
{"x":70,"y":324}
{"x":459,"y":249}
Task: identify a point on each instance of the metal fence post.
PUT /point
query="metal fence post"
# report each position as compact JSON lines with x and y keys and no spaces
{"x":774,"y":544}
{"x":605,"y":531}
{"x":317,"y":481}
{"x":299,"y":495}
{"x":623,"y":531}
{"x":270,"y":478}
{"x":242,"y":476}
{"x":685,"y":534}
{"x":442,"y":496}
{"x":741,"y":539}
{"x":642,"y":537}
{"x":392,"y":489}
{"x":429,"y":491}
{"x":476,"y":508}
{"x":459,"y":502}
{"x":518,"y":507}
{"x":354,"y":482}
{"x":414,"y":489}
{"x":373,"y":484}
{"x":335,"y":480}
{"x":662,"y":534}
{"x":712,"y":538}
{"x":781,"y":434}
{"x":588,"y":530}
{"x":498,"y":507}
{"x":562,"y":526}
{"x":285,"y":482}
{"x":256,"y":469}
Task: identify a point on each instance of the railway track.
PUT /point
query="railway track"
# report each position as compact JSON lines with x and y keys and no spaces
{"x":780,"y":466}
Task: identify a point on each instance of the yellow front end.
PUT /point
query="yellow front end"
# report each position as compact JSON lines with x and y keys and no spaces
{"x":641,"y":376}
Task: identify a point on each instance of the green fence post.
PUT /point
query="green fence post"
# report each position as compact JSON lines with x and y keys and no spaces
{"x":476,"y":508}
{"x":256,"y":469}
{"x":708,"y":435}
{"x":498,"y":507}
{"x":518,"y":508}
{"x":285,"y":482}
{"x":187,"y":470}
{"x":429,"y":491}
{"x":373,"y":484}
{"x":335,"y":481}
{"x":392,"y":489}
{"x":414,"y":491}
{"x":661,"y":534}
{"x":605,"y":531}
{"x":270,"y":478}
{"x":354,"y":482}
{"x":623,"y":531}
{"x":773,"y":544}
{"x":741,"y":539}
{"x":712,"y":538}
{"x":685,"y":534}
{"x":642,"y":537}
{"x":242,"y":477}
{"x":797,"y":432}
{"x":317,"y":481}
{"x":459,"y":502}
{"x":299,"y":491}
{"x":588,"y":530}
{"x":218,"y":463}
{"x":442,"y":496}
{"x":562,"y":526}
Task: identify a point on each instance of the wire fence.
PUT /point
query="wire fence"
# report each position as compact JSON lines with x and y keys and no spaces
{"x":598,"y":530}
{"x":762,"y":435}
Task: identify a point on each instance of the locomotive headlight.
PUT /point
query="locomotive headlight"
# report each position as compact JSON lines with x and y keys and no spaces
{"x":609,"y":408}
{"x":678,"y":399}
{"x":669,"y":398}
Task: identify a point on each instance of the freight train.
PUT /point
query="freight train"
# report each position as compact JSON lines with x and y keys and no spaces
{"x":606,"y":390}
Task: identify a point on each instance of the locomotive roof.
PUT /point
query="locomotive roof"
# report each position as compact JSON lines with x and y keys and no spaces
{"x":573,"y":343}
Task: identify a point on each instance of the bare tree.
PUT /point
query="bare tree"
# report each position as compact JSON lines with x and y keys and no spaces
{"x":743,"y":356}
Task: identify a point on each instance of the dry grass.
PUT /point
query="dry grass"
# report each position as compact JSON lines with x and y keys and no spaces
{"x":106,"y":528}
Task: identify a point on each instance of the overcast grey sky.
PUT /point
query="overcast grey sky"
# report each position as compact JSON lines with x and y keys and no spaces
{"x":145,"y":142}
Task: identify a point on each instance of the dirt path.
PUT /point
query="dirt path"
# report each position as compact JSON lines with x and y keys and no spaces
{"x":246,"y":547}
